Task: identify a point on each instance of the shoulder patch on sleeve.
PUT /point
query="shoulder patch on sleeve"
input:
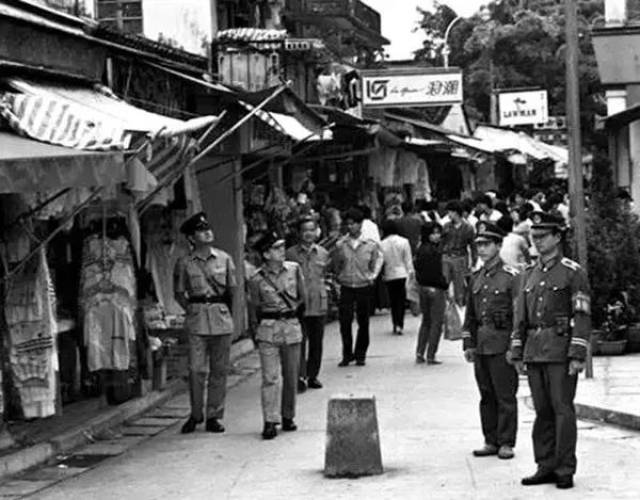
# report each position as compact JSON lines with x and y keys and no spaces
{"x":571,"y":264}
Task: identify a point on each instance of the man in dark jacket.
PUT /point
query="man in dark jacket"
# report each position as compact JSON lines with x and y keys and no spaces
{"x":486,"y":334}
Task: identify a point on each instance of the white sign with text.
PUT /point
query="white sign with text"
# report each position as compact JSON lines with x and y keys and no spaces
{"x":523,"y":108}
{"x":384,"y":88}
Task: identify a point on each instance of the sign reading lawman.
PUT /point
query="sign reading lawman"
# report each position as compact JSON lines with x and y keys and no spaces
{"x":523,"y":108}
{"x":411,"y":87}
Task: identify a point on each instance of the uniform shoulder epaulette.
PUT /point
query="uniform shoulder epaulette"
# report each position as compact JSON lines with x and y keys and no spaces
{"x":289,"y":264}
{"x":571,"y":264}
{"x":511,"y":270}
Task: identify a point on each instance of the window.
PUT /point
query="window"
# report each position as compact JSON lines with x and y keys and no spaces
{"x":125,"y":15}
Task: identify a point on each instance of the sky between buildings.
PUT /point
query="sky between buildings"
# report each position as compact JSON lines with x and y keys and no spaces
{"x":400,"y":18}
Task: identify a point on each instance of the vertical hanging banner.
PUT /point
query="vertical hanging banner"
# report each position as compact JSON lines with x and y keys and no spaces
{"x":523,"y":108}
{"x":413,"y":87}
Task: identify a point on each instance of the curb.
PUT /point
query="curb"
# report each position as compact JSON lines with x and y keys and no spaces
{"x":604,"y":415}
{"x":25,"y":458}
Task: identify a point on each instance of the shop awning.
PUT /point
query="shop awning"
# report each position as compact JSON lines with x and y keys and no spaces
{"x":84,"y":118}
{"x":290,"y":126}
{"x":623,"y":118}
{"x":30,"y":166}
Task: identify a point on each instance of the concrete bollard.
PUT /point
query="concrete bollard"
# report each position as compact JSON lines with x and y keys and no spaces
{"x":353,"y":440}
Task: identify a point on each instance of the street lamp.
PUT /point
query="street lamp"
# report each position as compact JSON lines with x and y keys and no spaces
{"x":485,"y":15}
{"x":446,"y":50}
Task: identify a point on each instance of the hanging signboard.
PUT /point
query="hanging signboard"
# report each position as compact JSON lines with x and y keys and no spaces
{"x":523,"y":108}
{"x":415,"y":87}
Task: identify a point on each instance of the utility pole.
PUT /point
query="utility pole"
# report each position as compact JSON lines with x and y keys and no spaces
{"x":576,"y":188}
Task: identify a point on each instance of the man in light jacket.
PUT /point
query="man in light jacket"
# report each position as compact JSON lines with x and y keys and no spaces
{"x":356,"y":262}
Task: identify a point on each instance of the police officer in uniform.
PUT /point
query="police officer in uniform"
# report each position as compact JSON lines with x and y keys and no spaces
{"x":486,"y":335}
{"x":551,"y":330}
{"x":277,"y":293}
{"x":204,"y":283}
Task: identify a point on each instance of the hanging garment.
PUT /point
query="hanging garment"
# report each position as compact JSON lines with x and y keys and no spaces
{"x":161,"y":261}
{"x":107,"y":299}
{"x":32,"y":328}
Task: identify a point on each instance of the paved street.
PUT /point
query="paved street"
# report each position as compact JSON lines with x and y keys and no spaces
{"x":428,"y":424}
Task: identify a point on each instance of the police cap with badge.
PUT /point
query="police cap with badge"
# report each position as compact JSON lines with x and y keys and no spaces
{"x":197,"y":222}
{"x":490,"y":232}
{"x":267,"y":242}
{"x":546,"y":221}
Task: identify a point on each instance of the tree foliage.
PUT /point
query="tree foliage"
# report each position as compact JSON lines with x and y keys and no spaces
{"x":515,"y":44}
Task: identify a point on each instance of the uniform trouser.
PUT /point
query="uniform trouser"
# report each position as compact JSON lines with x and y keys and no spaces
{"x":432,"y":304}
{"x":208,"y":355}
{"x":397,"y":299}
{"x":455,"y":271}
{"x":498,"y":383}
{"x":555,"y":429}
{"x":311,"y":347}
{"x":360,"y":299}
{"x":279,"y":362}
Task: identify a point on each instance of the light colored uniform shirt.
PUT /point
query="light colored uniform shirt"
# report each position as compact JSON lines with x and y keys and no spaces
{"x":265,"y":297}
{"x":396,"y":252}
{"x":313,"y":261}
{"x":211,"y":277}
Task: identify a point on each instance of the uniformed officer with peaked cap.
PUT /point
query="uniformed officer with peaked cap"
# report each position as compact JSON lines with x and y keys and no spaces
{"x":486,"y":332}
{"x":276,"y":294}
{"x":551,"y":333}
{"x":204,"y":285}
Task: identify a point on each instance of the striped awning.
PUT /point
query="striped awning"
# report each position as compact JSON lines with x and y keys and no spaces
{"x":84,"y":118}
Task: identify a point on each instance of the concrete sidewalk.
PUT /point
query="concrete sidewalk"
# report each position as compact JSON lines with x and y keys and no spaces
{"x":613,"y":394}
{"x":83,"y":431}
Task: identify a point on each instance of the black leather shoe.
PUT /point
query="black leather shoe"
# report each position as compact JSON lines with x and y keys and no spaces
{"x":540,"y":477}
{"x":345,"y":362}
{"x":190,"y":425}
{"x":269,"y":431}
{"x":314,"y":383}
{"x":289,"y":425}
{"x":302,"y":385}
{"x":433,"y":362}
{"x":486,"y":451}
{"x":360,"y":362}
{"x":564,"y":482}
{"x":213,"y":425}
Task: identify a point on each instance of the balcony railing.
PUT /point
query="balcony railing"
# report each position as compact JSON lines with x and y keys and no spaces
{"x":357,"y":10}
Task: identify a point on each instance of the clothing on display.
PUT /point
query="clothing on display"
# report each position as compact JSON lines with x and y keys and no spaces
{"x":32,"y":328}
{"x":108,"y":295}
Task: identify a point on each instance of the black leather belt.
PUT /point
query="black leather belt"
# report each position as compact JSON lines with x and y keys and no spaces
{"x":206,"y":300}
{"x":278,"y":315}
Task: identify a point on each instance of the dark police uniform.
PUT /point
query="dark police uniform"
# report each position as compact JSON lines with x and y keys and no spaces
{"x":487,"y":330}
{"x":208,"y":286}
{"x":275,"y":297}
{"x":551,"y":327}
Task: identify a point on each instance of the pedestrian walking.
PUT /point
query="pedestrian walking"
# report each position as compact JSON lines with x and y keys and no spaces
{"x":486,"y":336}
{"x":433,"y":289}
{"x":356,"y":262}
{"x":397,"y":268}
{"x":551,"y":333}
{"x":313,"y":260}
{"x":204,"y":285}
{"x":458,"y":250}
{"x":277,"y":293}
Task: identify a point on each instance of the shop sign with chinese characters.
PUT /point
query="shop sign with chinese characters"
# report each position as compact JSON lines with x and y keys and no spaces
{"x":423,"y":87}
{"x":523,"y":108}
